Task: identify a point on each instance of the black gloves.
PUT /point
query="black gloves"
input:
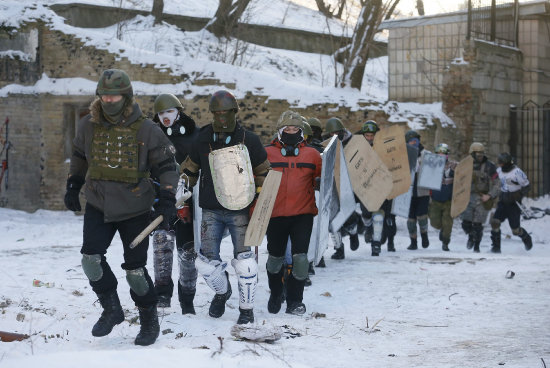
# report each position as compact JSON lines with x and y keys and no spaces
{"x":74,"y":183}
{"x":166,"y":206}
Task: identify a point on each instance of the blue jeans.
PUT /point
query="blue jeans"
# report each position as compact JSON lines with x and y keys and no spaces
{"x":213,"y":225}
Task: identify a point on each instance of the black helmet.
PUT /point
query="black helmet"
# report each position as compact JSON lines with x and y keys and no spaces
{"x":505,"y":159}
{"x":411,"y":134}
{"x":370,"y":126}
{"x":114,"y":82}
{"x":223,"y":101}
{"x":442,"y":148}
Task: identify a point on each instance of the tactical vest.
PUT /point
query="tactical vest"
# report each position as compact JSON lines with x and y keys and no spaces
{"x":115,"y":153}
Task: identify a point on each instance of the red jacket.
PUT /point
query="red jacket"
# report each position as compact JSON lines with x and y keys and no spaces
{"x":296,"y":194}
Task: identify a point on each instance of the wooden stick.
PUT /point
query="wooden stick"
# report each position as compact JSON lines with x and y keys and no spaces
{"x":146,"y":231}
{"x":12,"y":336}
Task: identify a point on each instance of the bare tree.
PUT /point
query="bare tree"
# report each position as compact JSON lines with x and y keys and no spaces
{"x":420,"y":7}
{"x":328,"y":12}
{"x":158,"y":7}
{"x":356,"y":54}
{"x":227,"y":17}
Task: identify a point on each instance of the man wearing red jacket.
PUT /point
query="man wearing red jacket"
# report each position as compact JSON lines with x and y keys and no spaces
{"x":293,"y":212}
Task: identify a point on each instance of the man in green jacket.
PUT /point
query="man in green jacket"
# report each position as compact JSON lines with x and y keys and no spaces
{"x":115,"y":150}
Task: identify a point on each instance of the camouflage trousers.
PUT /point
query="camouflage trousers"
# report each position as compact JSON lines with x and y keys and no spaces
{"x":475,"y":212}
{"x":440,"y":217}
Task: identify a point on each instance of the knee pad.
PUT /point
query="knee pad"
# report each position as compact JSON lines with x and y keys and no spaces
{"x":274,"y":264}
{"x":247,"y":271}
{"x":367,"y":219}
{"x":91,"y":265}
{"x":517,"y":231}
{"x":350,"y":228}
{"x":423,"y":223}
{"x":188,"y":271}
{"x":137,"y":281}
{"x":213,"y":272}
{"x":163,"y":241}
{"x":411,"y":226}
{"x":377,"y":226}
{"x":300,"y":266}
{"x":495,"y":224}
{"x":467,"y":226}
{"x":336,"y":239}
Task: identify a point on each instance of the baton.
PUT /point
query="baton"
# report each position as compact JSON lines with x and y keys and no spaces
{"x":146,"y":231}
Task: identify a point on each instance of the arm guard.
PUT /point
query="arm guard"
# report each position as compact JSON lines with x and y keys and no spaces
{"x":191,"y":169}
{"x":260,"y":172}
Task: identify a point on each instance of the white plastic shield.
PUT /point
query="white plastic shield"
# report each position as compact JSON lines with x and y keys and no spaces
{"x":430,"y":173}
{"x":346,"y":196}
{"x":232,"y":175}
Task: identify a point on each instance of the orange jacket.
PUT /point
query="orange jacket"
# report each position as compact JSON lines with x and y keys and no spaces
{"x":296,"y":194}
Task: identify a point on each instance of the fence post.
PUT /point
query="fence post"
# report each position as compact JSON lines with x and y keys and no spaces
{"x":493,"y":20}
{"x":546,"y":150}
{"x":513,"y":138}
{"x":469,"y":24}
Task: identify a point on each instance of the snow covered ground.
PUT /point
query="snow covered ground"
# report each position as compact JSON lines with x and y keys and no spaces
{"x":424,"y":308}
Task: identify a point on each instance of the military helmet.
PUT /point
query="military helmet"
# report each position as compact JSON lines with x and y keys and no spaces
{"x":223,"y":101}
{"x":306,"y":128}
{"x":166,"y":101}
{"x":369,"y":126}
{"x":334,"y":125}
{"x":411,"y":134}
{"x":476,"y":147}
{"x":290,"y":118}
{"x":114,"y":82}
{"x":442,"y":148}
{"x":505,"y":158}
{"x":314,"y":122}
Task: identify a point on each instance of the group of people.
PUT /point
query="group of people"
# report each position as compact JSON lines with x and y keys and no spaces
{"x":135,"y":168}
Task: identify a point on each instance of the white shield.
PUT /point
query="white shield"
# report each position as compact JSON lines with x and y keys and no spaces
{"x":232,"y":176}
{"x":431,"y":170}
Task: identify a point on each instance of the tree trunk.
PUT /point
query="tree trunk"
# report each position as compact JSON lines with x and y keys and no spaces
{"x":227,"y":17}
{"x":420,"y":7}
{"x":158,"y":7}
{"x":325,"y":10}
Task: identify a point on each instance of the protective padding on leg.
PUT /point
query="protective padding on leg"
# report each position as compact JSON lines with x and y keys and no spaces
{"x":213,"y":273}
{"x":367,"y":220}
{"x":188,"y":271}
{"x":423,"y":223}
{"x":350,"y":228}
{"x":300,"y":266}
{"x":517,"y":231}
{"x":163,"y":240}
{"x":411,"y":226}
{"x":247,"y":271}
{"x":91,"y":264}
{"x":137,"y":281}
{"x":274,"y":264}
{"x":336,"y":239}
{"x":495,"y":224}
{"x":377,"y":226}
{"x":163,"y":256}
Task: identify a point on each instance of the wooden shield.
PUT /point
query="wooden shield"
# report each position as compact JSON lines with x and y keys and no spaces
{"x":461,"y":186}
{"x":257,"y":226}
{"x":389,"y":144}
{"x":370,"y":179}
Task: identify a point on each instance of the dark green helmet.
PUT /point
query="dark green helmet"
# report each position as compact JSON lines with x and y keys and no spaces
{"x":442,"y":148}
{"x":411,"y":134}
{"x":223,"y":101}
{"x":166,"y":101}
{"x":114,"y":82}
{"x":334,"y":125}
{"x":369,"y":126}
{"x":314,"y":122}
{"x":306,"y":128}
{"x":290,"y":118}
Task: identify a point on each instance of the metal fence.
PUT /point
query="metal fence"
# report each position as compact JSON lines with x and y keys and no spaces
{"x":494,"y":21}
{"x":529,"y":144}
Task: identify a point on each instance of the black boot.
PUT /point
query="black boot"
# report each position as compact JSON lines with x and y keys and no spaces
{"x":444,"y":242}
{"x":391,"y":246}
{"x":296,"y":308}
{"x":112,"y":314}
{"x":354,"y":241}
{"x":321,"y":263}
{"x":470,"y":243}
{"x":339,"y":254}
{"x":375,"y":248}
{"x":526,"y":239}
{"x":307,"y":281}
{"x":368,"y":234}
{"x":311,"y":269}
{"x":150,"y":329}
{"x":246,"y":316}
{"x":295,"y":295}
{"x":414,"y":244}
{"x":425,"y":240}
{"x":495,"y":239}
{"x":163,"y":301}
{"x":217,"y":306}
{"x":477,"y":230}
{"x":275,"y":282}
{"x":186,"y":302}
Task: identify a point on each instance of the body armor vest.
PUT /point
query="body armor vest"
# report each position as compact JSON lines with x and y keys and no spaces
{"x":115,"y":153}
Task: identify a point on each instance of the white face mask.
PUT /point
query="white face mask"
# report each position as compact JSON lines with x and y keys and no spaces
{"x":167,"y":117}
